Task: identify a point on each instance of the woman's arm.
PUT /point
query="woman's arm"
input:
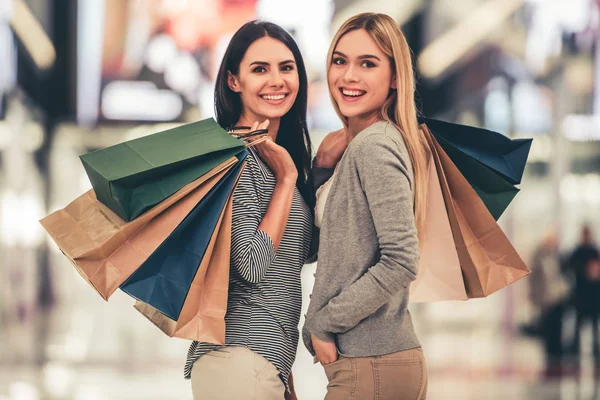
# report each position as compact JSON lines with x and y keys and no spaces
{"x":276,"y":217}
{"x":332,"y":149}
{"x":256,"y":238}
{"x":386,"y":184}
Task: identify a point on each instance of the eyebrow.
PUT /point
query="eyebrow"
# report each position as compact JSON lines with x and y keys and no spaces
{"x":362,"y":57}
{"x":267,"y":64}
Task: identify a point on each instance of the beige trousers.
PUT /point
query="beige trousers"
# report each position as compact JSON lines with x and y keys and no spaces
{"x":235,"y":373}
{"x":396,"y":376}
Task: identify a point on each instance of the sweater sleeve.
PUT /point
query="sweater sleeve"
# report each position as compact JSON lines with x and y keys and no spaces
{"x":386,"y":183}
{"x":252,"y":250}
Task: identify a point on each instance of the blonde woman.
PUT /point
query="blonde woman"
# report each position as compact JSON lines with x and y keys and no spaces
{"x":358,"y":325}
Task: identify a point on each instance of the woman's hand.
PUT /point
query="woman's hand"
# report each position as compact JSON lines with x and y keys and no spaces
{"x":276,"y":157}
{"x":326,"y":352}
{"x":332,"y":149}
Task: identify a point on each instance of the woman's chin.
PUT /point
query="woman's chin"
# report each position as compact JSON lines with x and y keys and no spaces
{"x":350,"y":112}
{"x":275,"y":113}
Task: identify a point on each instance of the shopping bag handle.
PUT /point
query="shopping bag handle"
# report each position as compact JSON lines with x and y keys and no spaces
{"x":244,"y":137}
{"x":249,"y":134}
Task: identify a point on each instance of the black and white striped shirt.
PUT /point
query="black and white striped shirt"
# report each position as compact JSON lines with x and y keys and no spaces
{"x":265,"y":295}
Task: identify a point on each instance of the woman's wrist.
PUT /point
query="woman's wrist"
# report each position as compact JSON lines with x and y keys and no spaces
{"x":287,"y":180}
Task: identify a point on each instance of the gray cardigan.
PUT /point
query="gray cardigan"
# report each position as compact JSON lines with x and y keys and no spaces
{"x":369,"y":250}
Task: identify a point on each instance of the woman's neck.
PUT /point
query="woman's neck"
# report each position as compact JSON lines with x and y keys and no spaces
{"x":249,"y":121}
{"x":360,"y":123}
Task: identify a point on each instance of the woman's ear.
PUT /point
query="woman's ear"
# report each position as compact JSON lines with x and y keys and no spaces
{"x":394,"y":85}
{"x":233,"y":83}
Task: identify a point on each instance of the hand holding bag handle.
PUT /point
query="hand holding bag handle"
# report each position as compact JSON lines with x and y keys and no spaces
{"x":251,"y":138}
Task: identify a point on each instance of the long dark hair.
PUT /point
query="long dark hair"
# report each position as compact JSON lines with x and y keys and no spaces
{"x":293,"y":131}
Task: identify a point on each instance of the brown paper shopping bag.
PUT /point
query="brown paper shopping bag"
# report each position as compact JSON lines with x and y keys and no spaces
{"x":106,"y":250}
{"x":488,"y":260}
{"x":203,"y":315}
{"x":439,"y":276}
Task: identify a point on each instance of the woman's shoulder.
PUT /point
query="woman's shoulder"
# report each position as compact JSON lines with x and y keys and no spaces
{"x":381,"y":136}
{"x":255,"y":169}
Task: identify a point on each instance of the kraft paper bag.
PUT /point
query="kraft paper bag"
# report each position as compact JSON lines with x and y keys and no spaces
{"x":439,"y":277}
{"x":203,"y":315}
{"x":165,"y":278}
{"x":488,"y":260}
{"x":106,"y":250}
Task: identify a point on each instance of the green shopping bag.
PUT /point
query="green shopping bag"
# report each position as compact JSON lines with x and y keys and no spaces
{"x":132,"y":177}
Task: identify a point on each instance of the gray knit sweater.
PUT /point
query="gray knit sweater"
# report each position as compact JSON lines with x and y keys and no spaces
{"x":369,"y":250}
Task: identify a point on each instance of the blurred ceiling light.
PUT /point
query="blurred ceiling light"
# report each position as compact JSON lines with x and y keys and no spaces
{"x":591,"y":188}
{"x":8,"y":55}
{"x":549,"y":19}
{"x":22,"y":391}
{"x":182,"y":73}
{"x":59,"y":379}
{"x":160,"y":50}
{"x":32,"y":34}
{"x":532,"y":109}
{"x":581,"y":188}
{"x":581,"y":128}
{"x":90,"y":30}
{"x":401,"y":11}
{"x":19,"y":219}
{"x":32,"y":137}
{"x":444,"y":51}
{"x":130,"y":100}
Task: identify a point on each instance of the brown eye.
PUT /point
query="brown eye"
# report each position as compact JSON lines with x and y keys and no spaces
{"x":259,"y":69}
{"x":338,"y":61}
{"x":367,"y":64}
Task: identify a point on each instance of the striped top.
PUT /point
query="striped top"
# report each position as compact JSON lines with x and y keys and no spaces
{"x":265,"y":296}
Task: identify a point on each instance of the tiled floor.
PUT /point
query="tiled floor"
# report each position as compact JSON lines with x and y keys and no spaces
{"x":88,"y":349}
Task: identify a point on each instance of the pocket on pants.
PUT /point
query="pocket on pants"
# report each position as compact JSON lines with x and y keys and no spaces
{"x":400,"y":376}
{"x":341,"y":375}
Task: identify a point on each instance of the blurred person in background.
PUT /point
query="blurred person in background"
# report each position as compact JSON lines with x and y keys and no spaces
{"x":358,"y":325}
{"x":549,"y":293}
{"x":585,"y":267}
{"x":262,"y":77}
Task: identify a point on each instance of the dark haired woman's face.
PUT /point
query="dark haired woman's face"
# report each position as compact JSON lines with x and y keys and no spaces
{"x":267,"y":80}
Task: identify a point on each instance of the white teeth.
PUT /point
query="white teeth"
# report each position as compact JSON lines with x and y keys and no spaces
{"x":269,"y":97}
{"x":352,"y":93}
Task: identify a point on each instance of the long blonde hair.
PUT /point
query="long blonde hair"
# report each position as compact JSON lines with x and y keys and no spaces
{"x":399,"y":108}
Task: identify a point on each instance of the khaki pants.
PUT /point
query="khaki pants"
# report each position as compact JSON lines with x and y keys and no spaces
{"x":235,"y":373}
{"x":396,"y":376}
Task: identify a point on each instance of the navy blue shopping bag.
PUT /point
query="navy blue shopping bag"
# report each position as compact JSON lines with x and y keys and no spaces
{"x":164,"y":279}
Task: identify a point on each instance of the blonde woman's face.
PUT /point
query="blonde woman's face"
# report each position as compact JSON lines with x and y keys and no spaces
{"x":360,"y":76}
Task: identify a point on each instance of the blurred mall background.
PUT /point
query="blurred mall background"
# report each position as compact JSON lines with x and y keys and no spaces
{"x":77,"y":75}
